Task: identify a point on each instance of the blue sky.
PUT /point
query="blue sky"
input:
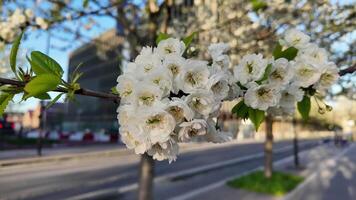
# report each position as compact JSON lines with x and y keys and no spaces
{"x":39,"y":41}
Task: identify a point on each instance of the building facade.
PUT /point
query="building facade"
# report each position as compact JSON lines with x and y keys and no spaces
{"x":100,"y":64}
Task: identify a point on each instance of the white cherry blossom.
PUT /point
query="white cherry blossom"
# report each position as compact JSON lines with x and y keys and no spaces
{"x":281,"y":72}
{"x":202,"y":102}
{"x":147,"y":94}
{"x":305,"y":73}
{"x":180,"y":110}
{"x":125,"y":87}
{"x":195,"y":76}
{"x":170,"y":46}
{"x":296,"y":38}
{"x":262,"y":96}
{"x":191,"y":129}
{"x":219,"y":85}
{"x":250,"y":68}
{"x":329,"y":75}
{"x":157,"y":124}
{"x":162,"y":151}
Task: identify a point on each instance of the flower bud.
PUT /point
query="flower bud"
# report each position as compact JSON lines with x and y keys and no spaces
{"x":321,"y":110}
{"x":328,"y":108}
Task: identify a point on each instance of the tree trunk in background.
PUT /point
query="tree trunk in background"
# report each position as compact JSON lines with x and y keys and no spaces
{"x":42,"y":133}
{"x":146,"y":177}
{"x":268,"y":148}
{"x":295,"y":145}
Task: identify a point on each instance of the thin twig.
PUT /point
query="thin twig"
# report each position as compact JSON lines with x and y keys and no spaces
{"x":348,"y":70}
{"x":81,"y":91}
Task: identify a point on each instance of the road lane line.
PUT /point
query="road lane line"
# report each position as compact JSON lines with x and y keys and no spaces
{"x":212,"y":186}
{"x":183,"y":173}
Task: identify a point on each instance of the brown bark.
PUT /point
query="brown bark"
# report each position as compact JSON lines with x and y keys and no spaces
{"x":268,"y":170}
{"x":146,"y":178}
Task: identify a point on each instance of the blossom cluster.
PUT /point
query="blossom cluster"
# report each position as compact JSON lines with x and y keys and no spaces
{"x":286,"y":80}
{"x":19,"y":18}
{"x":167,"y":98}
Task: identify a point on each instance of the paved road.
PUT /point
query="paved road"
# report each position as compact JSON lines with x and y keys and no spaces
{"x":71,"y":178}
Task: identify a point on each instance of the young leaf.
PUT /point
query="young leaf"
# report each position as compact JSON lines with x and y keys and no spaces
{"x":43,"y":64}
{"x":241,"y":110}
{"x":289,"y":53}
{"x":13,"y":52}
{"x":54,"y":100}
{"x":258,"y":4}
{"x":41,"y":84}
{"x":85,"y":3}
{"x":114,"y":91}
{"x":277,"y":51}
{"x":43,"y":96}
{"x":266,"y":74}
{"x":256,"y":116}
{"x":304,"y":107}
{"x":162,"y":36}
{"x":188,"y":40}
{"x":5,"y":98}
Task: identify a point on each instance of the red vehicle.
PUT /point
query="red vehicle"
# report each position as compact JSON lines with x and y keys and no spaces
{"x":7,"y":128}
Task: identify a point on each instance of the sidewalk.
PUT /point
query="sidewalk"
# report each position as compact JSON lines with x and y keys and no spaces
{"x":330,"y":173}
{"x":335,"y":179}
{"x":55,"y":151}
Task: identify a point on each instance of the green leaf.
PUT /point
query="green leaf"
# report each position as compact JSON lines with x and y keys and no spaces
{"x":266,"y":74}
{"x":41,"y":84}
{"x":304,"y":107}
{"x":5,"y":98}
{"x":241,"y":110}
{"x":85,"y":3}
{"x":277,"y":50}
{"x":43,"y":96}
{"x":258,"y":4}
{"x":162,"y":36}
{"x":241,"y":86}
{"x":188,"y":40}
{"x":256,"y":116}
{"x":289,"y":53}
{"x":114,"y":91}
{"x":43,"y":64}
{"x":54,"y":100}
{"x":13,"y":53}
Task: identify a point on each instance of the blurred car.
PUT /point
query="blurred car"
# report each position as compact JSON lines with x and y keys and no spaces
{"x":33,"y":134}
{"x":54,"y":135}
{"x":7,"y":128}
{"x":77,"y":136}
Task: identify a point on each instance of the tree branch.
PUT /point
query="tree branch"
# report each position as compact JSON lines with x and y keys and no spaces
{"x":81,"y":91}
{"x":348,"y":70}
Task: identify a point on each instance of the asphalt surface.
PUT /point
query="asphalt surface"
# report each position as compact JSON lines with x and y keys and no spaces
{"x":62,"y":180}
{"x":336,"y":180}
